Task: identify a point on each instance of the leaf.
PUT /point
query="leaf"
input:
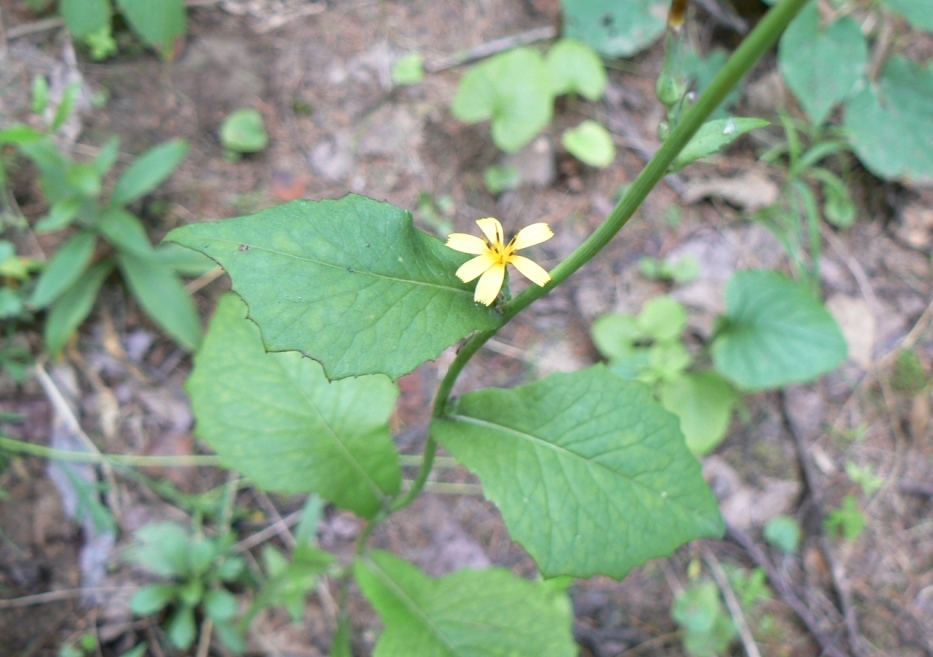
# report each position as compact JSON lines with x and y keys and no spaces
{"x":470,"y":613}
{"x":107,"y":156}
{"x":614,"y":334}
{"x":783,"y":532}
{"x":703,"y":401}
{"x":64,"y":268}
{"x":590,"y":143}
{"x":891,"y":123}
{"x":340,"y":645}
{"x":181,"y":628}
{"x":163,"y":296}
{"x":158,"y":24}
{"x":701,"y":70}
{"x":151,"y":598}
{"x":663,"y":318}
{"x":350,"y":283}
{"x":61,"y":215}
{"x":184,"y":262}
{"x":19,"y":134}
{"x":775,"y":333}
{"x":408,"y":69}
{"x":613,"y":28}
{"x":276,"y":418}
{"x":573,"y":67}
{"x":161,"y":548}
{"x":708,"y":629}
{"x":84,"y":17}
{"x":148,"y":171}
{"x":512,"y":90}
{"x":220,"y":604}
{"x":590,"y":474}
{"x":821,"y":65}
{"x":917,"y":12}
{"x":125,"y":232}
{"x":69,"y":311}
{"x":243,"y":131}
{"x":713,"y":136}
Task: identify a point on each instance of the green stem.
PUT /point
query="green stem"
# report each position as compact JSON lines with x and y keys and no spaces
{"x":193,"y":461}
{"x":747,"y":55}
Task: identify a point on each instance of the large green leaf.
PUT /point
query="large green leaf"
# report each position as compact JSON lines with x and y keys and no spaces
{"x":148,"y":171}
{"x":591,"y":475}
{"x":470,"y":613}
{"x":703,"y":401}
{"x":891,"y":122}
{"x":276,"y":418}
{"x":157,"y":23}
{"x":917,"y":12}
{"x":775,"y":333}
{"x":513,"y":90}
{"x":614,"y":28}
{"x":85,"y":17}
{"x":163,"y":296}
{"x":350,"y":283}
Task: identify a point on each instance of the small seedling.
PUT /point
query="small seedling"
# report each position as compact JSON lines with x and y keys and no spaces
{"x":408,"y":69}
{"x":707,"y":627}
{"x":684,"y":270}
{"x":847,"y":520}
{"x":865,"y":477}
{"x":243,"y":131}
{"x":783,"y":532}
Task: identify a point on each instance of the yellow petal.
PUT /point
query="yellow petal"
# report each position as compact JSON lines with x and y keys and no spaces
{"x":474,"y":267}
{"x":466,"y":243}
{"x":487,"y":289}
{"x":492,"y":229}
{"x":531,"y":235}
{"x":532,"y":270}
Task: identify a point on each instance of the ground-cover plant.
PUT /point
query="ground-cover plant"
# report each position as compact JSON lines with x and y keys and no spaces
{"x":334,"y":300}
{"x":157,"y":24}
{"x":104,"y":235}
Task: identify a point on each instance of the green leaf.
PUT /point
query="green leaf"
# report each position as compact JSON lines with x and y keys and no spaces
{"x":713,"y":136}
{"x":331,"y":438}
{"x":891,"y":124}
{"x":350,"y":283}
{"x":499,"y":179}
{"x":40,"y":94}
{"x":64,"y":268}
{"x":137,"y":651}
{"x":663,"y":319}
{"x":917,"y":12}
{"x":19,"y":134}
{"x":161,"y":548}
{"x":573,"y":67}
{"x":243,"y":131}
{"x":614,"y":334}
{"x":184,"y":262}
{"x":408,"y":69}
{"x":591,"y":475}
{"x":181,"y":628}
{"x":470,"y":613}
{"x":125,"y":232}
{"x":340,"y":646}
{"x":512,"y":90}
{"x":69,"y":311}
{"x":84,"y":17}
{"x":775,"y":333}
{"x":157,"y":23}
{"x":821,"y":65}
{"x":61,"y":215}
{"x":84,"y":180}
{"x":220,"y":604}
{"x":63,"y":111}
{"x":703,"y":401}
{"x":107,"y":156}
{"x":613,"y":28}
{"x":163,"y":296}
{"x":590,"y":143}
{"x":708,"y":629}
{"x":152,"y":598}
{"x":149,"y":170}
{"x":701,"y":70}
{"x":783,"y":532}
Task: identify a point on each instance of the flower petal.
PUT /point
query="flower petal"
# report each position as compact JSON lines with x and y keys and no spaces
{"x":487,"y":289}
{"x":475,"y":266}
{"x":466,"y":243}
{"x":531,"y":235}
{"x":492,"y":229}
{"x":531,"y":269}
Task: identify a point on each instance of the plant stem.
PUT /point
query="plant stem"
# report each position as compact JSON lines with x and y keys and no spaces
{"x":747,"y":55}
{"x":192,"y":461}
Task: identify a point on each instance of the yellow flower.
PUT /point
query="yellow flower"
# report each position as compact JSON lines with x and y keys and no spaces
{"x":493,"y":254}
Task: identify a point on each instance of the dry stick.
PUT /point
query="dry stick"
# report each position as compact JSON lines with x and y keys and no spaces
{"x":786,"y":591}
{"x":837,"y":573}
{"x":58,"y":596}
{"x":204,"y":643}
{"x":491,"y":48}
{"x":735,"y":609}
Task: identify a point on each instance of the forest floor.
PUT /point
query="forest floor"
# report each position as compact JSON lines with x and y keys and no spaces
{"x":322,"y":81}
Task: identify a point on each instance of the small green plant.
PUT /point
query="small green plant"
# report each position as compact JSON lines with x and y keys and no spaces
{"x":157,"y":24}
{"x":864,"y":476}
{"x":197,"y":570}
{"x":909,"y":376}
{"x":408,"y":69}
{"x":104,"y":234}
{"x":707,"y":627}
{"x":683,"y":270}
{"x":243,"y":131}
{"x":847,"y":521}
{"x":783,"y":532}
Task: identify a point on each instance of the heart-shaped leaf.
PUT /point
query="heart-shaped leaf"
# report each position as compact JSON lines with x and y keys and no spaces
{"x":613,"y":28}
{"x":821,"y":65}
{"x":775,"y":333}
{"x":703,"y":401}
{"x":574,"y":67}
{"x":591,"y":475}
{"x":470,"y":613}
{"x":590,"y":143}
{"x":350,"y":283}
{"x":278,"y":420}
